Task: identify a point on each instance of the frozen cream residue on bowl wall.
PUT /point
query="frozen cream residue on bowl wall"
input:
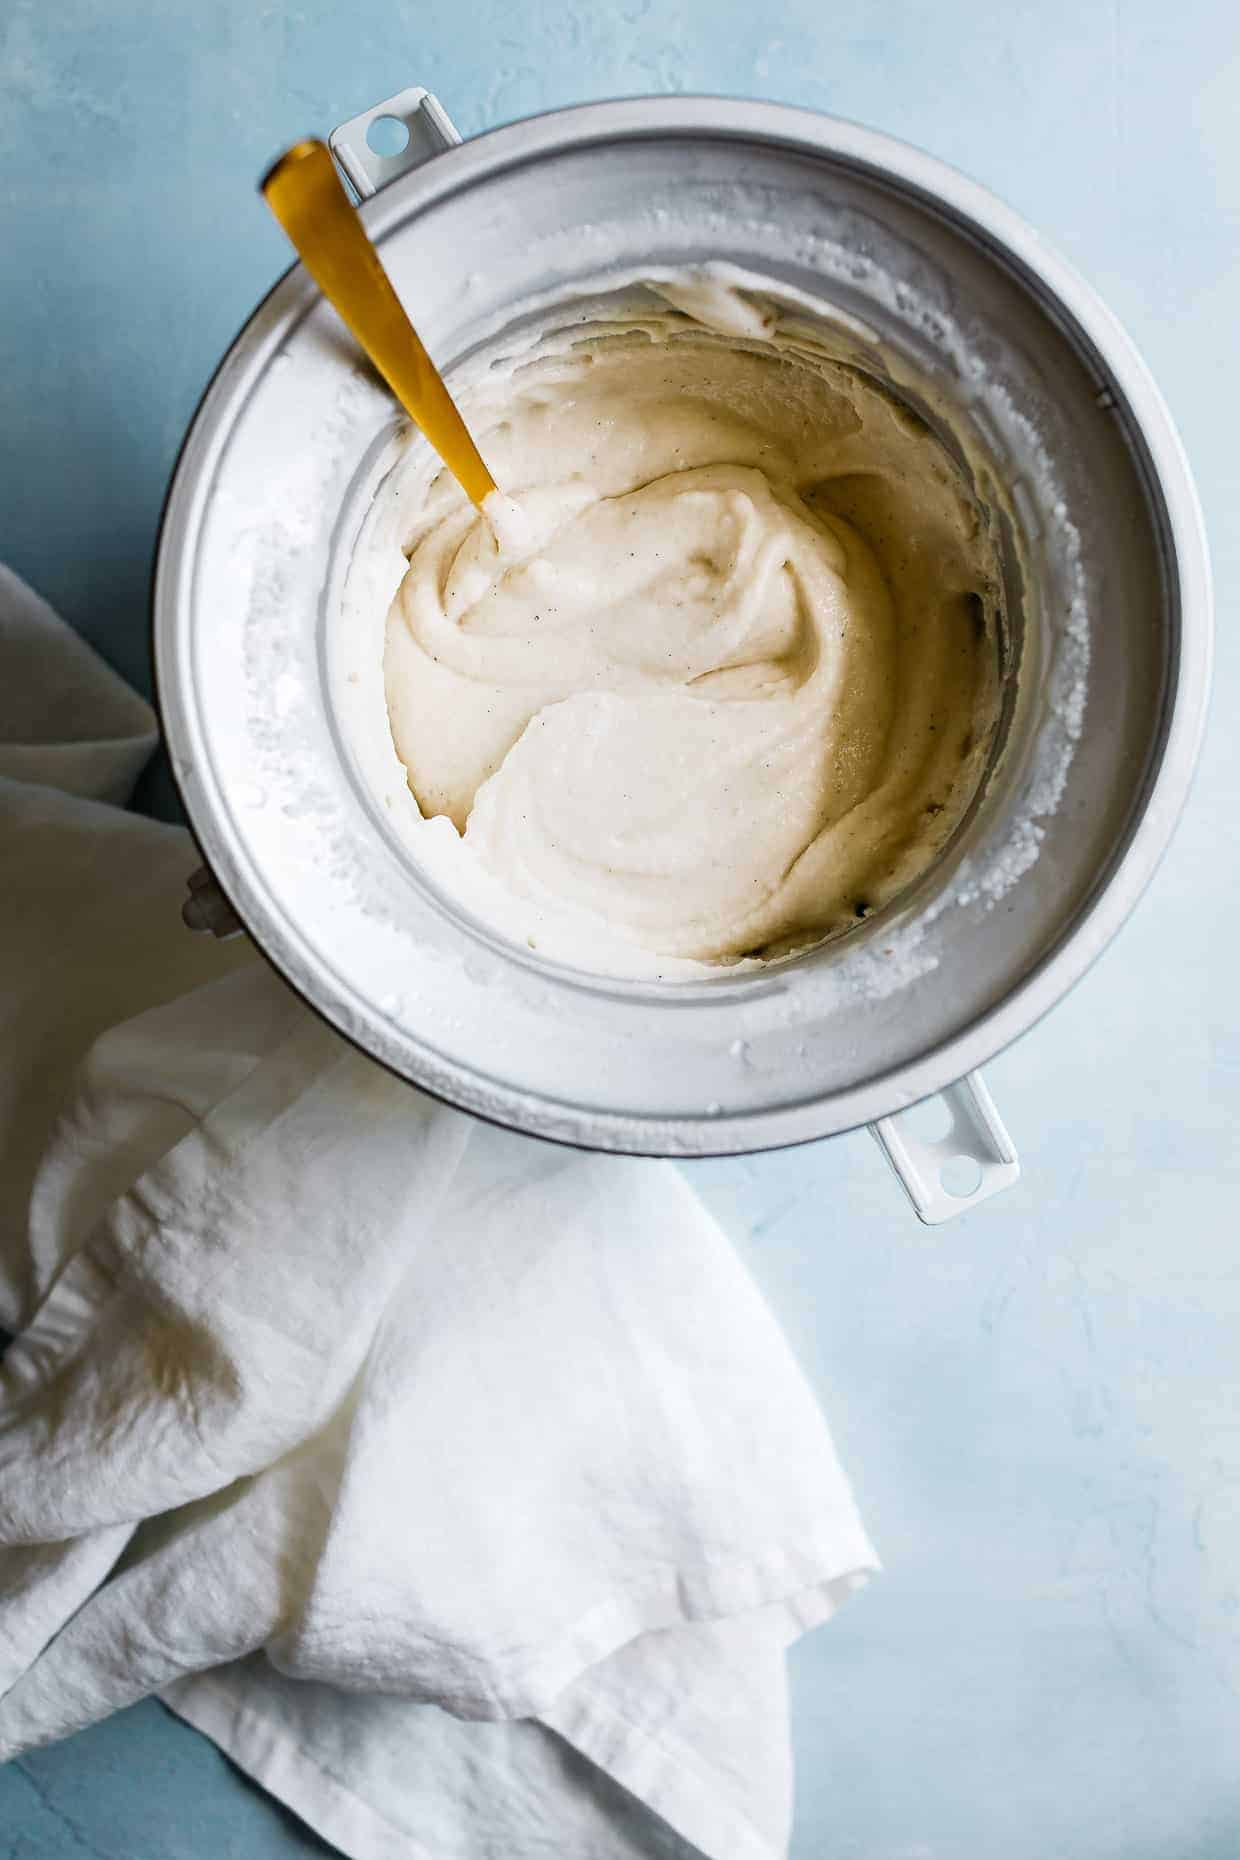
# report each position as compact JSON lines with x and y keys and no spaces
{"x":734,"y":687}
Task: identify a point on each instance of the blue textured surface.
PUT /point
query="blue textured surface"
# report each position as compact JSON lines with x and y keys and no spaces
{"x":1040,"y":1403}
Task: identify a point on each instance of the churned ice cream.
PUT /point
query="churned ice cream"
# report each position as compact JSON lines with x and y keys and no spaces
{"x":721,"y":679}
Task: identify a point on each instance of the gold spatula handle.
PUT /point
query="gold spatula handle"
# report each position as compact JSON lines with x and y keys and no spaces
{"x":307,"y":196}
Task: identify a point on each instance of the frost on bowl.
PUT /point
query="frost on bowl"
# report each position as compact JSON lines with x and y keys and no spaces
{"x":1039,"y":634}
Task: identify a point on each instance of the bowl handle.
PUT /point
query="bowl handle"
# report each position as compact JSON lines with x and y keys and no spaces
{"x":976,"y":1135}
{"x":431,"y":131}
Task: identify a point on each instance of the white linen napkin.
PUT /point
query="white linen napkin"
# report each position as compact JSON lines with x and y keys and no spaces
{"x":460,"y":1487}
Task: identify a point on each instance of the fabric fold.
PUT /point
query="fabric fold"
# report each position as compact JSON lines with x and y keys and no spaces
{"x":461,"y":1488}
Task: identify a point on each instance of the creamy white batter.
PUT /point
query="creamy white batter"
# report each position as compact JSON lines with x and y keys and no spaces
{"x":729,"y":682}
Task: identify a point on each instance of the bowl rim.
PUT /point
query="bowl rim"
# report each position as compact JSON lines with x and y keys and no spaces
{"x":969,"y":207}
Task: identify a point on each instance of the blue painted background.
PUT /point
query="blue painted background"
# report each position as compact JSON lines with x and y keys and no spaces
{"x":1039,"y":1404}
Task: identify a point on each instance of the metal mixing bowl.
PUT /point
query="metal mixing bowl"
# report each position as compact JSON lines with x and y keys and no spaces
{"x":1105,"y":540}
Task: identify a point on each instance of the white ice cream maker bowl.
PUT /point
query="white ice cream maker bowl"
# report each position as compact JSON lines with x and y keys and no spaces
{"x":938,"y":290}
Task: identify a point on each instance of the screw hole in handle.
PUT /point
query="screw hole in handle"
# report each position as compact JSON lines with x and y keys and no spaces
{"x":387,"y":135}
{"x":961,"y":1176}
{"x":968,"y":1158}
